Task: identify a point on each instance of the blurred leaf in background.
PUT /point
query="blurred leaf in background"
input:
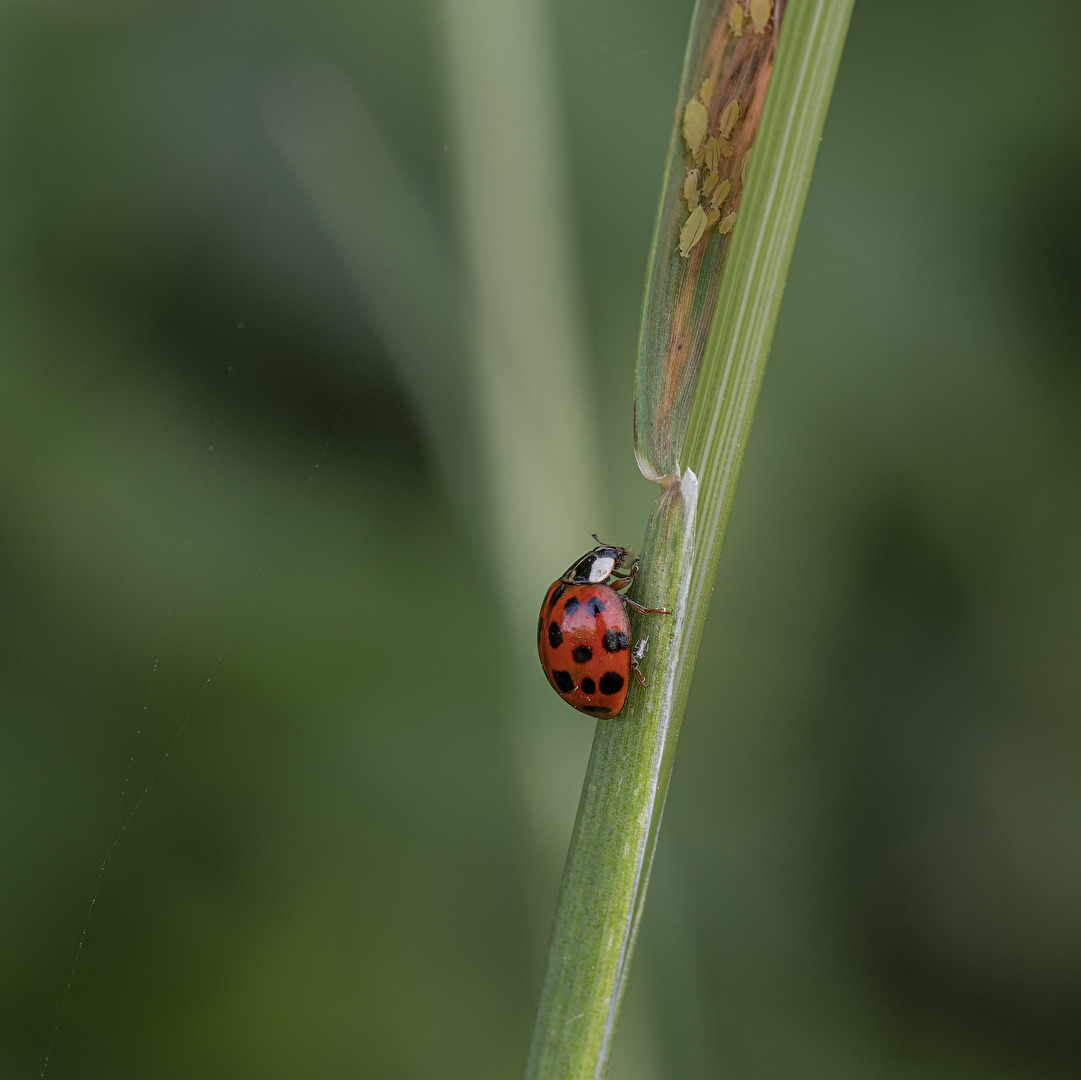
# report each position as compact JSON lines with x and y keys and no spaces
{"x":254,"y":573}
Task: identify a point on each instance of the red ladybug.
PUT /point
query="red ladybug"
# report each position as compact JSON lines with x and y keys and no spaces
{"x":584,"y":634}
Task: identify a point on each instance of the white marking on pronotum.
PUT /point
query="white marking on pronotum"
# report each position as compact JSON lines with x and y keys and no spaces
{"x":601,"y":570}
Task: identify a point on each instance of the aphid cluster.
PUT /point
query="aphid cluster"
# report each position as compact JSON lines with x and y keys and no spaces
{"x":711,"y":151}
{"x":584,"y":633}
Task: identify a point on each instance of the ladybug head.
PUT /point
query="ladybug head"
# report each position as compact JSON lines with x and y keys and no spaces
{"x":598,"y":565}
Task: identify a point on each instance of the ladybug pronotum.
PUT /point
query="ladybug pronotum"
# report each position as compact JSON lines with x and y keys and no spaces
{"x":583,"y":633}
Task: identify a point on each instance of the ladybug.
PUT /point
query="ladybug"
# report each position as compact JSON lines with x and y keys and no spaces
{"x":583,"y":633}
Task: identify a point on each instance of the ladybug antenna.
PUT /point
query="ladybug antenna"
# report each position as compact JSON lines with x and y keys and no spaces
{"x":628,"y":553}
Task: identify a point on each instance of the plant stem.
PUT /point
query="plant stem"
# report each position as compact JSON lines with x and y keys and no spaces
{"x":614,"y":836}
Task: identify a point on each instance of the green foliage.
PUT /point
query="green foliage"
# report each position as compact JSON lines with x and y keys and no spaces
{"x":615,"y":834}
{"x":215,"y":463}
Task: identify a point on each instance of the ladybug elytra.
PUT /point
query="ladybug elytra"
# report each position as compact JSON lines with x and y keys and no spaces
{"x":583,"y":633}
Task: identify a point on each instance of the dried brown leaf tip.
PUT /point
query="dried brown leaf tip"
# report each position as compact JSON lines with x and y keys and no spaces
{"x":716,"y":132}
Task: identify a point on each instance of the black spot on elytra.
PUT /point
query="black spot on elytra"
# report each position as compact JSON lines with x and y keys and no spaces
{"x":583,"y":654}
{"x":596,"y":606}
{"x":571,"y":606}
{"x":597,"y":710}
{"x":561,"y":588}
{"x":611,"y":683}
{"x":563,"y":681}
{"x":540,"y":626}
{"x":588,"y":686}
{"x":555,"y":635}
{"x":615,"y":640}
{"x":583,"y":567}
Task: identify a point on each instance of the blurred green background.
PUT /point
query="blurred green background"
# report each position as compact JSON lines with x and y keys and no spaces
{"x":317,"y":330}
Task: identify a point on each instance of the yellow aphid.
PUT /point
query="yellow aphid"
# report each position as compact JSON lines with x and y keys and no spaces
{"x":729,"y":116}
{"x":721,"y":193}
{"x":712,"y":218}
{"x":707,"y":91}
{"x":693,"y":231}
{"x":695,"y":119}
{"x":713,"y":154}
{"x":743,"y":167}
{"x":760,"y":10}
{"x":735,"y":20}
{"x":726,"y":147}
{"x":709,"y":183}
{"x":726,"y":223}
{"x":690,"y":189}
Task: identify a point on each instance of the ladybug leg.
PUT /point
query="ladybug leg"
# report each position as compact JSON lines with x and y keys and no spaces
{"x":645,"y":610}
{"x":623,"y":581}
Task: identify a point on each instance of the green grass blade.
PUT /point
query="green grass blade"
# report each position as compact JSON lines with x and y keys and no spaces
{"x":726,"y":75}
{"x":611,"y":849}
{"x":750,"y":296}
